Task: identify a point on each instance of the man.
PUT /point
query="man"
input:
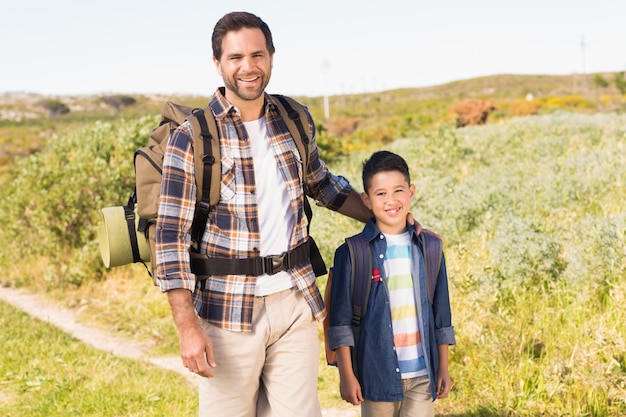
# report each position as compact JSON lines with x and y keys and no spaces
{"x":253,"y":338}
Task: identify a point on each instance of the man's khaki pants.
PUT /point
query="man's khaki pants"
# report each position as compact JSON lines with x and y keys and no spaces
{"x":270,"y":372}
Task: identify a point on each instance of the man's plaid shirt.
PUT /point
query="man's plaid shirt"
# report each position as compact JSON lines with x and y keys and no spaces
{"x":232,"y":229}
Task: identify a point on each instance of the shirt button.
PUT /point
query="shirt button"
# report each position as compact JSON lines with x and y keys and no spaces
{"x":381,"y":256}
{"x":397,"y":369}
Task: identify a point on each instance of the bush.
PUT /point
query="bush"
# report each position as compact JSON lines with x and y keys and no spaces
{"x":117,"y":102}
{"x":522,"y":108}
{"x":54,"y":200}
{"x":597,"y":255}
{"x":525,"y":256}
{"x":54,"y":107}
{"x":343,"y":126}
{"x":472,"y":111}
{"x":568,"y":102}
{"x":330,"y":146}
{"x":600,"y":81}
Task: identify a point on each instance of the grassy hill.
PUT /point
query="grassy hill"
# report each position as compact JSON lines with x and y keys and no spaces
{"x":28,"y":121}
{"x":531,"y":210}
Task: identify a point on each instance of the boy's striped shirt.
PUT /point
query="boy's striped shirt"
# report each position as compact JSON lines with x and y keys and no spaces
{"x":404,"y":317}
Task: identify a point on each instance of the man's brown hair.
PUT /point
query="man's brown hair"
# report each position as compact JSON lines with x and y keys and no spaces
{"x":235,"y":21}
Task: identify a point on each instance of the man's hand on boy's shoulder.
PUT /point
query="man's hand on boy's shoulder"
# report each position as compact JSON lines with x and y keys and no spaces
{"x":411,"y":220}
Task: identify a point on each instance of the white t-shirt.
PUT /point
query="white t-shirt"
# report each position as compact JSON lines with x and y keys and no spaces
{"x":276,"y":221}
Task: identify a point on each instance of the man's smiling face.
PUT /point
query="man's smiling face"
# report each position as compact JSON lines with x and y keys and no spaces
{"x":245,"y":64}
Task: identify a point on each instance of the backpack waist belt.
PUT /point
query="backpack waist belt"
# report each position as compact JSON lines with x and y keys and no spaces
{"x":259,"y":265}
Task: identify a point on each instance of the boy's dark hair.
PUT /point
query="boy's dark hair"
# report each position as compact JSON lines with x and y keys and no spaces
{"x":235,"y":21}
{"x":383,"y":161}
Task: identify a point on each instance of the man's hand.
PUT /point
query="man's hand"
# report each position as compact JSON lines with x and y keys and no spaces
{"x":411,"y":220}
{"x":196,"y":349}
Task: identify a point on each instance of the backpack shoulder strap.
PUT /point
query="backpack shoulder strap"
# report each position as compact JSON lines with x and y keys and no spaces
{"x":208,"y":168}
{"x":294,"y":116}
{"x":360,"y":284}
{"x":360,"y":281}
{"x":433,"y":251}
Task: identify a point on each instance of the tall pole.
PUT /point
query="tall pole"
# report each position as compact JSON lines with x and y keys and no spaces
{"x":325,"y":67}
{"x":582,"y":48}
{"x":326,"y":107}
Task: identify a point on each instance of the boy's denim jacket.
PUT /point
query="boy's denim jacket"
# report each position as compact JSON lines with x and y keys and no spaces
{"x":377,"y":364}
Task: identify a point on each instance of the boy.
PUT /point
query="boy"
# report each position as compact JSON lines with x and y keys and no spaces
{"x":402,"y":355}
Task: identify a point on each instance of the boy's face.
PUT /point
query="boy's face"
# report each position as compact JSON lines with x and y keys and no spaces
{"x":389,"y":197}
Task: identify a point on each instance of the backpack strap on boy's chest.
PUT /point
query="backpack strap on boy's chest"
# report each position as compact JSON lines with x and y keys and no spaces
{"x":432,"y":246}
{"x":360,"y":281}
{"x":360,"y":284}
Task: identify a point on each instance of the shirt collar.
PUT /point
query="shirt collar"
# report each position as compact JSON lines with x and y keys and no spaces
{"x":370,"y":231}
{"x":222,"y":107}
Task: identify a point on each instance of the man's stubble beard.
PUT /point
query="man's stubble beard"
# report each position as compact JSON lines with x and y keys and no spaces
{"x":242,"y":93}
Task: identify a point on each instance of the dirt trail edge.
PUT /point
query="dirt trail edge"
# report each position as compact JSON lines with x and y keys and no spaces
{"x":65,"y":320}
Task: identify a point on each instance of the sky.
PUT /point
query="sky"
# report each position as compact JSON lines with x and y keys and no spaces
{"x":79,"y":47}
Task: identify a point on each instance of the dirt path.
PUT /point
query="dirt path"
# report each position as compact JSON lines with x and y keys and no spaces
{"x":66,"y":320}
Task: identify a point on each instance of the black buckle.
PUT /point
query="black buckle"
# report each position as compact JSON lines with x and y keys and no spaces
{"x":274,"y":264}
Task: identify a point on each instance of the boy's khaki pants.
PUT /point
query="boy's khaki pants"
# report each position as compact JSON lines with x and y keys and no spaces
{"x":418,"y":402}
{"x":279,"y":358}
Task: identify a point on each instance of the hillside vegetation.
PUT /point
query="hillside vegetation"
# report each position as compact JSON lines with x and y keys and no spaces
{"x":533,"y":217}
{"x":28,"y":121}
{"x":532,"y":214}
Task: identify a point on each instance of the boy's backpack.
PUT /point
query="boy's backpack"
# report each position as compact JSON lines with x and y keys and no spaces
{"x":141,"y":210}
{"x":361,"y":279}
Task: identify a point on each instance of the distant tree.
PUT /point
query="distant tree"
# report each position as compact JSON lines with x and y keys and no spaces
{"x":118,"y":101}
{"x":342,"y":126}
{"x":472,"y":111}
{"x":54,"y":107}
{"x":600,"y":81}
{"x":620,"y":82}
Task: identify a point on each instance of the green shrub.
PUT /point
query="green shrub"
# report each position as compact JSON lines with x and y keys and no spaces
{"x":54,"y":107}
{"x":330,"y":146}
{"x":118,"y":101}
{"x":54,"y":199}
{"x":600,"y":81}
{"x":525,"y":256}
